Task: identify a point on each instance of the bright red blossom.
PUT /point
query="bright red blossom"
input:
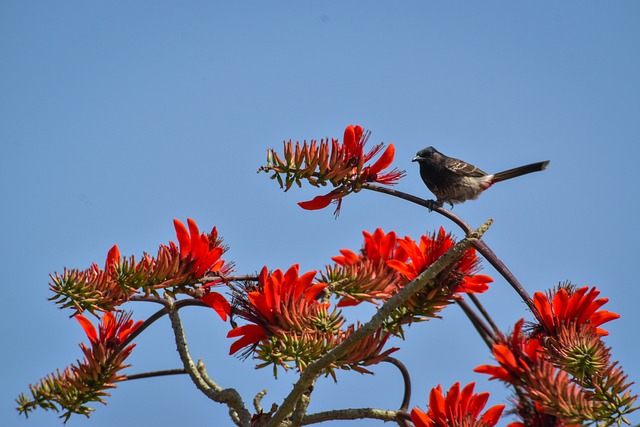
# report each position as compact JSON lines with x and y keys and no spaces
{"x":431,"y":248}
{"x":579,"y":306}
{"x":349,"y":171}
{"x":457,"y":408}
{"x":272,"y":307}
{"x":203,"y":250}
{"x":515,"y":357}
{"x":112,"y":331}
{"x":366,"y":276}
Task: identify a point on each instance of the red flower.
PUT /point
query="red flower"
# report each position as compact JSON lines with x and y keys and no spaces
{"x":282,"y":302}
{"x":201,"y":249}
{"x":429,"y":250}
{"x":113,"y":259}
{"x":218,"y":302}
{"x":341,"y":165}
{"x":112,"y":331}
{"x":458,"y":408}
{"x":515,"y":357}
{"x":569,"y":305}
{"x":366,"y":276}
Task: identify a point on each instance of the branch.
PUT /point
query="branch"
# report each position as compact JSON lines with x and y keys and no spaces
{"x":406,"y":398}
{"x":429,"y":204}
{"x":351,"y":414}
{"x":313,"y":369}
{"x":481,"y":246}
{"x":198,"y":375}
{"x":152,"y":374}
{"x":501,"y":268}
{"x":483,"y":330}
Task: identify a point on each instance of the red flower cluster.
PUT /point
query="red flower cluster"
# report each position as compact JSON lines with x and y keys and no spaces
{"x":515,"y":358}
{"x":88,"y":379}
{"x":281,"y":302}
{"x":569,"y":305}
{"x":463,"y":277}
{"x":344,"y":166}
{"x":112,"y":331}
{"x":366,"y":276}
{"x":176,"y":269}
{"x":562,"y":372}
{"x":457,"y":408}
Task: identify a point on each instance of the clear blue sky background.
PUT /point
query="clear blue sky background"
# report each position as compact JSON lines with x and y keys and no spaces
{"x":116,"y":118}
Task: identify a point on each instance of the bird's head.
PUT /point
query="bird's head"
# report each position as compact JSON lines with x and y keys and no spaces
{"x":428,"y":154}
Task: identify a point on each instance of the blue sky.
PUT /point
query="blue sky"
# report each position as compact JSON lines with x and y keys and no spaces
{"x":116,"y":118}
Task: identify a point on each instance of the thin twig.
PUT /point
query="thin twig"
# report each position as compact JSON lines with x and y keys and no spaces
{"x":178,"y":371}
{"x":482,"y":329}
{"x":493,"y":259}
{"x":406,"y":398}
{"x":313,"y":369}
{"x":485,"y":314}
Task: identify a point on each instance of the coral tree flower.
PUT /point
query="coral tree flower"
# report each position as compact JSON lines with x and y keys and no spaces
{"x":204,"y":253}
{"x":352,"y":169}
{"x":282,"y":301}
{"x":366,"y":276}
{"x":345,"y":166}
{"x":569,"y":305}
{"x":457,"y":408}
{"x":463,"y":277}
{"x":515,"y":358}
{"x":112,"y":331}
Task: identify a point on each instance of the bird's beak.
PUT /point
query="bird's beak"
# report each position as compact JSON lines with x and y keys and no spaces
{"x":416,"y":159}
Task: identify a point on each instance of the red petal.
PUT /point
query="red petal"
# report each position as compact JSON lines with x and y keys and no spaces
{"x":544,"y":309}
{"x":113,"y":257}
{"x":405,"y":269}
{"x":384,"y":161}
{"x":492,"y":416}
{"x":496,"y":372}
{"x":420,"y":419}
{"x":218,"y":303}
{"x":250,"y":334}
{"x":88,"y":327}
{"x":183,"y":238}
{"x":318,"y":202}
{"x":349,"y":140}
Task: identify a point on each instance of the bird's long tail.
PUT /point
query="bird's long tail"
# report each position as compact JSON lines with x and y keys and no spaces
{"x":522,"y":170}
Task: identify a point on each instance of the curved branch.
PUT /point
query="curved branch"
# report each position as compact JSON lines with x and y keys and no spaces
{"x":406,"y":398}
{"x":313,"y":369}
{"x":481,"y":246}
{"x":501,"y":268}
{"x":429,"y":204}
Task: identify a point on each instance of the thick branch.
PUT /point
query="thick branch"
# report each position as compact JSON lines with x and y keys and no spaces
{"x":351,"y":414}
{"x":313,"y":369}
{"x":230,"y":397}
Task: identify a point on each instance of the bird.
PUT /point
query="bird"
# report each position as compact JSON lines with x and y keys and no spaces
{"x":455,"y":181}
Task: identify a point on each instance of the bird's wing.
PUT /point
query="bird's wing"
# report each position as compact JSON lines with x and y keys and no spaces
{"x":463,"y":168}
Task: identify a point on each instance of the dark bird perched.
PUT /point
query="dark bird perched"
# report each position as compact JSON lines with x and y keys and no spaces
{"x":454,"y":181}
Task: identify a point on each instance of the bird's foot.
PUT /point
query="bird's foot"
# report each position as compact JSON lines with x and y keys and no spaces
{"x":434,"y":204}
